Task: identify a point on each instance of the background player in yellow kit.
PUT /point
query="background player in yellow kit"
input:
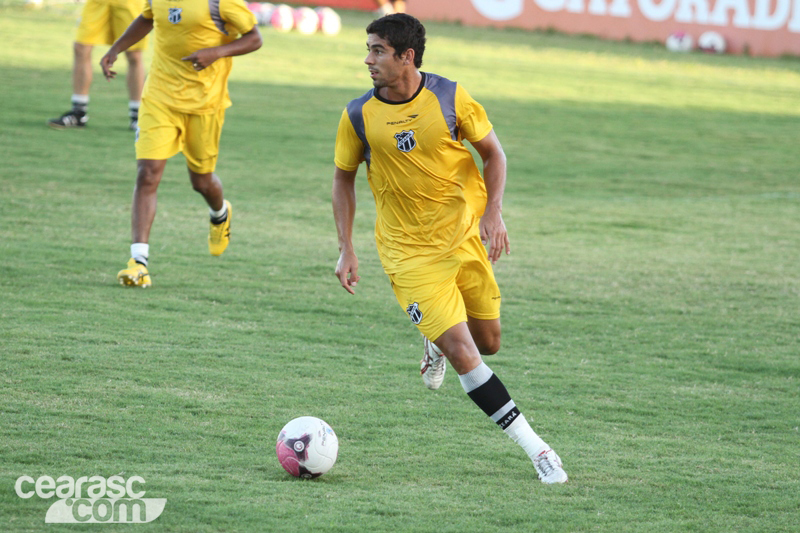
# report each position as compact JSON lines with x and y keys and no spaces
{"x":433,"y":212}
{"x":183,"y":108}
{"x":102,"y":22}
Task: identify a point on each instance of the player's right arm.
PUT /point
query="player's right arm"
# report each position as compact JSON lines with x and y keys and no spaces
{"x":344,"y":211}
{"x":137,"y":31}
{"x":348,"y":155}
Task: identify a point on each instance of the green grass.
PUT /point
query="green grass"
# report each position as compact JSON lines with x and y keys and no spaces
{"x":650,"y":315}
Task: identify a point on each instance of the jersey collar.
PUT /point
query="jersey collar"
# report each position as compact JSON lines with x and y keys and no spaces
{"x":392,"y":102}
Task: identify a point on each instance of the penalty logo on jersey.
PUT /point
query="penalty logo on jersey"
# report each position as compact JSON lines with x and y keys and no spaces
{"x":414,"y":312}
{"x":405,"y":140}
{"x":175,"y":14}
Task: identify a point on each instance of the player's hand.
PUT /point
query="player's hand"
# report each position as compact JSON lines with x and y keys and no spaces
{"x":202,"y":58}
{"x":106,"y":62}
{"x":347,"y":270}
{"x":493,"y":231}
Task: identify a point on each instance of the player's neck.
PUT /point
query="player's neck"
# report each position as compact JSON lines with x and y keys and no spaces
{"x":403,"y":89}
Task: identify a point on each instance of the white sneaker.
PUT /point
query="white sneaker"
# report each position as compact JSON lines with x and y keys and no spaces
{"x":432,"y":366}
{"x":548,"y":466}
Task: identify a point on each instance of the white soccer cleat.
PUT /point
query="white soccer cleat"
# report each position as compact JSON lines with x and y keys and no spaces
{"x":432,"y":366}
{"x":548,"y":466}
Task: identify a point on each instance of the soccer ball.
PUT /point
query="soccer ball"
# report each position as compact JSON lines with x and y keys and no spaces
{"x":330,"y":23}
{"x":679,"y":42}
{"x":305,"y":20}
{"x":282,"y":18}
{"x":712,"y":41}
{"x":307,"y":447}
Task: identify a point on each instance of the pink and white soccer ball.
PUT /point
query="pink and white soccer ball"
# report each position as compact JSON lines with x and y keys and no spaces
{"x":264,"y":14}
{"x":305,"y":20}
{"x":282,"y":18}
{"x":307,"y":447}
{"x":713,"y":42}
{"x":330,"y":23}
{"x":679,"y":42}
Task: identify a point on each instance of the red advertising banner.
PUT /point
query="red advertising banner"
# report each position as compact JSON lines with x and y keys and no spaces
{"x":363,"y":5}
{"x":758,"y":27}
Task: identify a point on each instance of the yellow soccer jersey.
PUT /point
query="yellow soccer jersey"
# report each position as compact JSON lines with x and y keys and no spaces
{"x":181,"y":27}
{"x":428,"y":191}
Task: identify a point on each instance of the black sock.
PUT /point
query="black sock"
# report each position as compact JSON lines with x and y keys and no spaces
{"x":491,"y":396}
{"x":219,"y":220}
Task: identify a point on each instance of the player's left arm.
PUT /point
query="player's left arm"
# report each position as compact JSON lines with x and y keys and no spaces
{"x":248,"y":42}
{"x":238,"y":19}
{"x":492,"y":227}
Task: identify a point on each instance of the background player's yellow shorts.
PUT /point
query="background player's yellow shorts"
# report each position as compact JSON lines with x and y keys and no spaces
{"x":103,"y":21}
{"x":439,"y":296}
{"x":163,"y":133}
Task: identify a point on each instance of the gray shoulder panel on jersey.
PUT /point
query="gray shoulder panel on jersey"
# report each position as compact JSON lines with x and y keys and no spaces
{"x":354,"y":111}
{"x":213,"y":7}
{"x":445,"y":91}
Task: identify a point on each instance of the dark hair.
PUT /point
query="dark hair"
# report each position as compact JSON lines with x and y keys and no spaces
{"x":402,"y":32}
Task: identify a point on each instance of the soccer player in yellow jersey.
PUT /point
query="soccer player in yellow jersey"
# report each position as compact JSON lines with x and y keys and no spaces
{"x":183,"y":108}
{"x":102,"y":22}
{"x":434,"y":215}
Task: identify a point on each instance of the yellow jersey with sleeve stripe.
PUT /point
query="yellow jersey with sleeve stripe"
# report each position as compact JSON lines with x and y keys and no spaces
{"x":181,"y":27}
{"x":429,"y":193}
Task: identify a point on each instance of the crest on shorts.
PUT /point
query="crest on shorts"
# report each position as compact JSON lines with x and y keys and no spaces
{"x":414,"y":312}
{"x":405,"y":140}
{"x":175,"y":14}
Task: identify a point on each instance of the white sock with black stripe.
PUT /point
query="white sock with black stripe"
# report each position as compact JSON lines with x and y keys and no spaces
{"x":489,"y":393}
{"x":140,"y":252}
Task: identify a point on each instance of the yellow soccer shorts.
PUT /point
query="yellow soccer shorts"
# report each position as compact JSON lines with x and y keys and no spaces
{"x":163,"y":133}
{"x":439,"y":296}
{"x":102,"y":22}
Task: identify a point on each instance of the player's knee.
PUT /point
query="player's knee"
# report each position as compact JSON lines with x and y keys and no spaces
{"x":463,"y":360}
{"x":200,"y":182}
{"x":489,"y":346}
{"x":134,"y":57}
{"x":148,"y":176}
{"x":82,"y":51}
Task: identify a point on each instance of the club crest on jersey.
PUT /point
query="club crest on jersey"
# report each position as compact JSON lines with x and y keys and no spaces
{"x":405,"y":140}
{"x":175,"y":14}
{"x":414,"y":312}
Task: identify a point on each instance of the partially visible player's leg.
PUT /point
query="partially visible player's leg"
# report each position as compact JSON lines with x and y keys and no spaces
{"x":489,"y":393}
{"x":121,"y":17}
{"x":431,"y":298}
{"x":77,"y":116}
{"x":82,"y":68}
{"x":94,"y":29}
{"x":159,"y":138}
{"x":201,"y":151}
{"x":220,"y":210}
{"x":143,"y":212}
{"x":145,"y":197}
{"x":135,"y":81}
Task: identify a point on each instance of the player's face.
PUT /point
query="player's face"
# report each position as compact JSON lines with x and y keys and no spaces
{"x":384,"y":66}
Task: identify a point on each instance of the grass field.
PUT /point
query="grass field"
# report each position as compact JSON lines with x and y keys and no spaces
{"x":651,"y":301}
